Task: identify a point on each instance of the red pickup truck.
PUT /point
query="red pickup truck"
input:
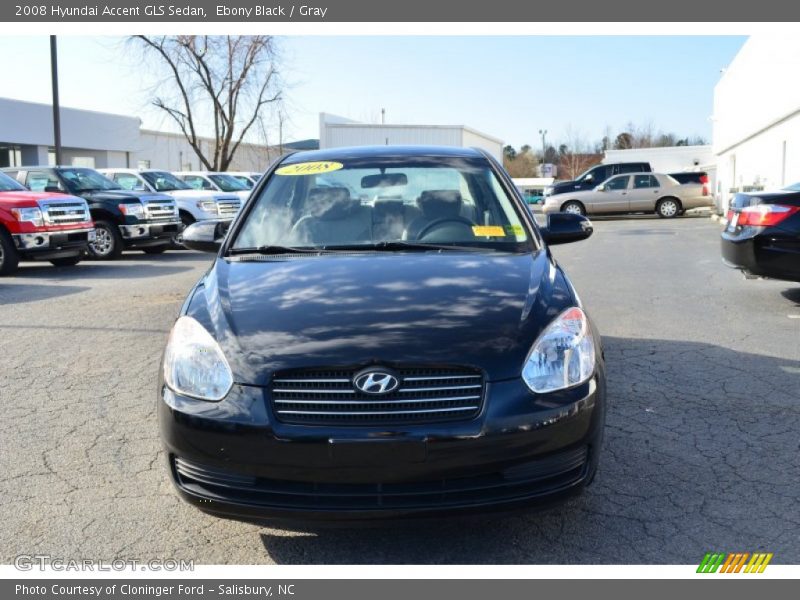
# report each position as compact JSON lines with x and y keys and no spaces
{"x":41,"y":226}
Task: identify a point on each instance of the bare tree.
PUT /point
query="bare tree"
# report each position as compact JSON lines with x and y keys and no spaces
{"x":225,"y":81}
{"x":576,"y":154}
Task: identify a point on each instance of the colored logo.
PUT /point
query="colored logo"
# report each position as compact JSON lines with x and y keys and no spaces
{"x":734,"y":562}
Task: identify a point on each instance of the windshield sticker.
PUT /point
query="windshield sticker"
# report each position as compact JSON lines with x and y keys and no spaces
{"x":515,"y":230}
{"x":309,"y":168}
{"x":488,"y":230}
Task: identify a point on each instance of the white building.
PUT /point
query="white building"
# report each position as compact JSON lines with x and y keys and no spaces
{"x":757,"y":117}
{"x":336,"y":131}
{"x":101,"y":140}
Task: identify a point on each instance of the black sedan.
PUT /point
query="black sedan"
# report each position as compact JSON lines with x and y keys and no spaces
{"x":384,"y":333}
{"x":762,"y":234}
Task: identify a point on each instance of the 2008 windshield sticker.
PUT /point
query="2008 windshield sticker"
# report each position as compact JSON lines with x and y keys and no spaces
{"x":309,"y":168}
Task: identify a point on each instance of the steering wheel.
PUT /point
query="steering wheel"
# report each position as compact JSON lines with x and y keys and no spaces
{"x":439,"y":223}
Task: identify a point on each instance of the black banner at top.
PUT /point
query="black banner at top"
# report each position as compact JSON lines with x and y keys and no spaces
{"x":338,"y":11}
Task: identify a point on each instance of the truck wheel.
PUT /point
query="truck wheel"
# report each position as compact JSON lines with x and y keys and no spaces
{"x":69,"y":261}
{"x":9,"y":259}
{"x":155,"y":250}
{"x":186,"y":220}
{"x":667,"y":208}
{"x":574,"y":207}
{"x":108,"y":242}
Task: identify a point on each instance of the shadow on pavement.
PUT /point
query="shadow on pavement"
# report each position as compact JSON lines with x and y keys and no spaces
{"x":701,"y":453}
{"x":792,"y":295}
{"x":17,"y":293}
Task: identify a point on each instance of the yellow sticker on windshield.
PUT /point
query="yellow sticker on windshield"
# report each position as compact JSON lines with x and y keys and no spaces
{"x":488,"y":230}
{"x":515,"y":230}
{"x":309,"y":168}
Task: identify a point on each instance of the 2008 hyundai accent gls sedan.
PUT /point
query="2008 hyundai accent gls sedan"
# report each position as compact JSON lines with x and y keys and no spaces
{"x":383,"y":333}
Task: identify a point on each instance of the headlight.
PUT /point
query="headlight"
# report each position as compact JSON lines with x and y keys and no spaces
{"x":207,"y":206}
{"x":562,"y":356}
{"x":28,"y":215}
{"x":132,"y":210}
{"x":194,"y":364}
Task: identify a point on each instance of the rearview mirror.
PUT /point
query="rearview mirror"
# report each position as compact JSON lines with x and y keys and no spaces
{"x":563,"y":228}
{"x":204,"y":236}
{"x":384,"y":180}
{"x":601,"y":188}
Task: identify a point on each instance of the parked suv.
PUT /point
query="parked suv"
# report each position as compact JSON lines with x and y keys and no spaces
{"x":193,"y":205}
{"x":122,"y":219}
{"x":597,"y":175}
{"x":215,"y":182}
{"x":41,"y":226}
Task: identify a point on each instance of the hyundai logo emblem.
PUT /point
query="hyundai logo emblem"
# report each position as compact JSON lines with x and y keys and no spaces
{"x":375,"y":382}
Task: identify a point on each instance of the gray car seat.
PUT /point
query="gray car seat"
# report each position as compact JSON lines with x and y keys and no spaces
{"x":332,"y":217}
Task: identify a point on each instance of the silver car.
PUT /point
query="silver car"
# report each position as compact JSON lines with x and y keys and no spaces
{"x":633,"y":192}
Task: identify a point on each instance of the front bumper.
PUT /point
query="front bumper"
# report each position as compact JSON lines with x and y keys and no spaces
{"x":233,"y":459}
{"x":53,"y":244}
{"x":762,"y":252}
{"x":150,"y":234}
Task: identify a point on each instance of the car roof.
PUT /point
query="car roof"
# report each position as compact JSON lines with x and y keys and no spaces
{"x":362,"y":152}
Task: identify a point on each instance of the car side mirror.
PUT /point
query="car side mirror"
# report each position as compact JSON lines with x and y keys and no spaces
{"x":204,"y":236}
{"x":601,"y":188}
{"x":563,"y":228}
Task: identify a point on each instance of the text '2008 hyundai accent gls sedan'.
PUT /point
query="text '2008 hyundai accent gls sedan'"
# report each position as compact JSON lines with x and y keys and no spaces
{"x":383,"y":333}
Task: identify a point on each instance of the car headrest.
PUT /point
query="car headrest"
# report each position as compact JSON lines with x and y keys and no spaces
{"x":438,"y":204}
{"x":331,"y":203}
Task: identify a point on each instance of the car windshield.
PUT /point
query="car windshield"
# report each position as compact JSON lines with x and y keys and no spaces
{"x":9,"y":185}
{"x":228,"y":183}
{"x":244,"y":181}
{"x":795,"y":187}
{"x":86,"y":180}
{"x":388,"y":204}
{"x":163,"y":181}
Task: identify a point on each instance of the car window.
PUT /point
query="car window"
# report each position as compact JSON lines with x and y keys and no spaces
{"x":8,"y":184}
{"x":228,"y":183}
{"x":618,"y":183}
{"x":644,"y":181}
{"x":369,"y":201}
{"x":198,"y":183}
{"x":128,"y":181}
{"x":164,"y":181}
{"x":598,"y":174}
{"x":37,"y":181}
{"x":631,"y":168}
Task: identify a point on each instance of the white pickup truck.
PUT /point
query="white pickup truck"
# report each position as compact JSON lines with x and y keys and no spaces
{"x":215,"y":181}
{"x":193,"y":204}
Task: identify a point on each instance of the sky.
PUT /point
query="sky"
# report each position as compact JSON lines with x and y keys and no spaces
{"x":507,"y":87}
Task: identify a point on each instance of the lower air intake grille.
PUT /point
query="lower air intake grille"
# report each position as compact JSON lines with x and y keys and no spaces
{"x":425,"y":395}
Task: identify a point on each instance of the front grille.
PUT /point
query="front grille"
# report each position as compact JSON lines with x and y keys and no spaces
{"x":328,"y":397}
{"x":523,"y":480}
{"x":65,"y":213}
{"x":159,"y":210}
{"x":229,"y":207}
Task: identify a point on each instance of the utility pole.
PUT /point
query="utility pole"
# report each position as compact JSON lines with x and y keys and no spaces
{"x":56,"y":107}
{"x":543,"y":133}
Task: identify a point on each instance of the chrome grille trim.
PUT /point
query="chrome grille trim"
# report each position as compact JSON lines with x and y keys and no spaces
{"x":64,"y":212}
{"x":228,"y":207}
{"x":323,"y":397}
{"x":159,"y":210}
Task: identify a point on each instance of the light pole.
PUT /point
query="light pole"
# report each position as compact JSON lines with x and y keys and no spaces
{"x":543,"y":133}
{"x":56,"y":109}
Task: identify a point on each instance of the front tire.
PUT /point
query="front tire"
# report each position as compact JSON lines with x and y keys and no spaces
{"x":573,"y":207}
{"x":69,"y":261}
{"x":108,"y":242}
{"x":668,"y":208}
{"x":9,"y":259}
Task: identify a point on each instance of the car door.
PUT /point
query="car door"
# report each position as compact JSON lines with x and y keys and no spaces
{"x":644,"y":192}
{"x":613,"y":197}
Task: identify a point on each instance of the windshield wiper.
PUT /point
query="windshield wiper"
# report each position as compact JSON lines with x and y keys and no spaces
{"x":393,"y":246}
{"x":270,"y":249}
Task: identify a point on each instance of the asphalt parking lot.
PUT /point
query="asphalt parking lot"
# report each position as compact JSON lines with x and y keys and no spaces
{"x":701,"y":445}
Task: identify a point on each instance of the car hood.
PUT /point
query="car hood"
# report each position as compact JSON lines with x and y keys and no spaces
{"x":123,"y":195}
{"x":472,"y":309}
{"x":202,"y":195}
